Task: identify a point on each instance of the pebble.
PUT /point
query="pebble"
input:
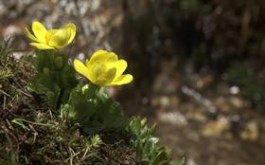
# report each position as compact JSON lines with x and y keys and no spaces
{"x":174,"y":118}
{"x":251,"y":131}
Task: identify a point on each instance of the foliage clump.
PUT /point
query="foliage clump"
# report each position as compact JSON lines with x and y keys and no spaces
{"x":31,"y":134}
{"x":145,"y":143}
{"x":49,"y":116}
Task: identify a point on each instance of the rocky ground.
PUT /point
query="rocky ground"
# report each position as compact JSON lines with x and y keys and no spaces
{"x":208,"y":122}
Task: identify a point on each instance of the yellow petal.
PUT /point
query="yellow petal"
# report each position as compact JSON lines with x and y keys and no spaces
{"x":60,"y":38}
{"x":31,"y":36}
{"x":124,"y":79}
{"x":120,"y":66}
{"x":57,"y":38}
{"x":71,"y":28}
{"x":102,"y":56}
{"x":105,"y":69}
{"x":39,"y":31}
{"x":82,"y":69}
{"x":103,"y":77}
{"x":41,"y":46}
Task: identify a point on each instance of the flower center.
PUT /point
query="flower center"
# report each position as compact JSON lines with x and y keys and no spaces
{"x":57,"y":38}
{"x":103,"y":75}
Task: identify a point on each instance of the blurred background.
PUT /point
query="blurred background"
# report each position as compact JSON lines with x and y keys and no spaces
{"x":198,"y":66}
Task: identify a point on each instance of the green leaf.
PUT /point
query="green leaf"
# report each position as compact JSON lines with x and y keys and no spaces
{"x":182,"y":162}
{"x":93,"y":109}
{"x":55,"y":78}
{"x":146,"y":144}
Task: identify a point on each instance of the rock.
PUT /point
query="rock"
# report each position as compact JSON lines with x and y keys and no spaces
{"x":234,"y":90}
{"x":237,"y":102}
{"x":197,"y":115}
{"x":251,"y":132}
{"x":174,"y":118}
{"x":164,"y":101}
{"x":216,"y":127}
{"x":11,"y":30}
{"x":222,"y":104}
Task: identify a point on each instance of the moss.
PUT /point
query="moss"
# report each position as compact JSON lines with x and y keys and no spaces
{"x":30,"y":133}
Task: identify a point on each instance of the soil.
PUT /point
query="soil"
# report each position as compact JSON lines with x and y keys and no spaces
{"x":31,"y":134}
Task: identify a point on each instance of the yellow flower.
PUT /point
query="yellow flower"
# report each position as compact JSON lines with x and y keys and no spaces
{"x":104,"y":69}
{"x":53,"y":38}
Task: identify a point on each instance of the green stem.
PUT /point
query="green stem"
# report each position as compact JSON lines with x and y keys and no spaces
{"x":59,"y":100}
{"x":93,"y":90}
